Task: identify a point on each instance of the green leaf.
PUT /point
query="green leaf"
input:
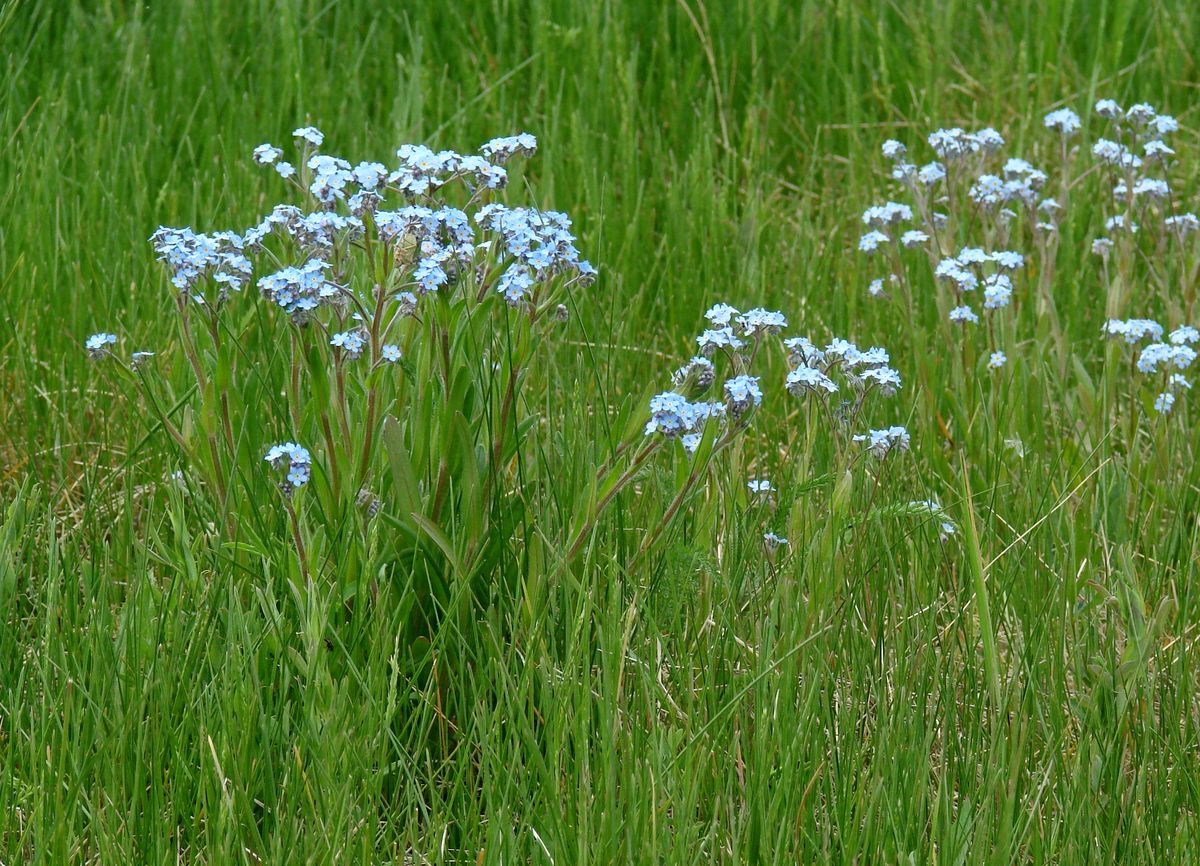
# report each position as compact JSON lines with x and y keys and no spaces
{"x":440,"y":539}
{"x":404,"y":481}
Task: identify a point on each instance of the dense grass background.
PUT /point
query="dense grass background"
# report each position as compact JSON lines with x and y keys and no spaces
{"x":157,"y":706}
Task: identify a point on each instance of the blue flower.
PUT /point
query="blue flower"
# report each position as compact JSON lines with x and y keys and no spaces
{"x":699,"y":372}
{"x":1118,"y":222}
{"x":887,"y":214}
{"x":297,"y":461}
{"x":309,"y":135}
{"x":987,"y":190}
{"x":350,"y":342}
{"x":300,"y":290}
{"x":871,"y":241}
{"x":429,"y":275}
{"x":1064,"y":120}
{"x":882,"y":442}
{"x":931,"y":507}
{"x":192,"y":256}
{"x":997,"y":291}
{"x":1008,"y":260}
{"x":514,"y":284}
{"x":802,"y":351}
{"x":721,"y":315}
{"x":1165,"y":355}
{"x":390,"y":353}
{"x":266,"y":154}
{"x":1140,"y":114}
{"x":958,"y":273}
{"x":330,"y":177}
{"x":931,"y":173}
{"x":885,"y":379}
{"x":98,"y":345}
{"x":1157,"y":150}
{"x":758,"y":322}
{"x":1133,"y":330}
{"x":988,"y":140}
{"x":421,"y":170}
{"x":1163,"y":124}
{"x":671,"y":415}
{"x":804,"y":379}
{"x":742,"y":394}
{"x":1184,"y":334}
{"x":951,"y":144}
{"x":719,"y":338}
{"x":503,"y":149}
{"x":894,"y":150}
{"x":483,"y":172}
{"x":406,"y":304}
{"x":369,"y":175}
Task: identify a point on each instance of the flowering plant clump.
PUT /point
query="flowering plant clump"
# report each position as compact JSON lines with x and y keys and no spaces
{"x":1161,"y":362}
{"x":973,"y":213}
{"x":1144,"y":214}
{"x":966,"y":180}
{"x":382,"y":293}
{"x":716,"y":397}
{"x":400,"y":305}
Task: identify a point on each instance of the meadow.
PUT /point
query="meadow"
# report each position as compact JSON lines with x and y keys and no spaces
{"x":898,"y":572}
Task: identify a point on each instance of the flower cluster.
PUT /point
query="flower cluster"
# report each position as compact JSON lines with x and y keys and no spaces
{"x":295,"y":459}
{"x":840,"y":368}
{"x":444,"y":243}
{"x":300,"y":290}
{"x":973,"y":268}
{"x":429,"y":218}
{"x":978,"y":190}
{"x":881,"y":443}
{"x":1164,"y":361}
{"x":673,"y":414}
{"x":1018,"y":184}
{"x":834,"y":383}
{"x":351,"y":343}
{"x":954,"y":147}
{"x":541,"y":246}
{"x":1138,"y":146}
{"x":813,"y":370}
{"x":883,"y":222}
{"x":732,"y":330}
{"x":192,"y":257}
{"x":1063,"y":120}
{"x":98,"y":345}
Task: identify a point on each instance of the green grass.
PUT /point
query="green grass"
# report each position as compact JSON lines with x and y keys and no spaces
{"x":170,"y":691}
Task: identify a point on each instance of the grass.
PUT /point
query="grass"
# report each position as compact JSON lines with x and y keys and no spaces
{"x":170,"y":691}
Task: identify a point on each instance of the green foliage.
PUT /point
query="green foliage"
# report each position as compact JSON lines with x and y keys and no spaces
{"x":452,"y":684}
